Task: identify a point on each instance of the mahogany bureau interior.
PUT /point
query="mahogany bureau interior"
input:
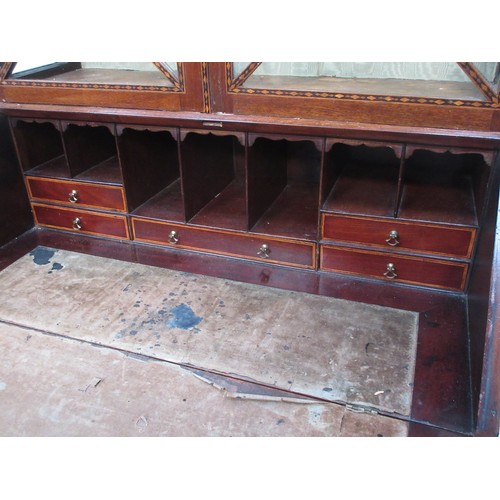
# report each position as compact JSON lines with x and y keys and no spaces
{"x":401,"y":216}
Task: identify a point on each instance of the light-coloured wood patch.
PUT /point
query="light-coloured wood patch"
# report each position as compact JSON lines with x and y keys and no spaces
{"x":51,"y":386}
{"x":338,"y":350}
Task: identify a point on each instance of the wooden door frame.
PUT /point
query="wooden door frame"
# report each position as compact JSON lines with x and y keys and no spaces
{"x":190,"y":94}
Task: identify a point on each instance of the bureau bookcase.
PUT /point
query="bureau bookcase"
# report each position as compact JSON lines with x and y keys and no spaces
{"x":378,"y":200}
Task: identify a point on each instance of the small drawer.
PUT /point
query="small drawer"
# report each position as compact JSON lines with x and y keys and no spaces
{"x":81,"y":194}
{"x":397,"y":268}
{"x":416,"y":237}
{"x":81,"y":221}
{"x":248,"y":246}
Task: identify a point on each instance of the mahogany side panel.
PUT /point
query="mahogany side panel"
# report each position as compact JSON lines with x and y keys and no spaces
{"x":15,"y":213}
{"x":484,"y":318}
{"x":441,"y":393}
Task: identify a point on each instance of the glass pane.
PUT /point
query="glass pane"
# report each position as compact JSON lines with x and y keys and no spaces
{"x":28,"y":68}
{"x":110,"y":73}
{"x":238,"y":67}
{"x":172,"y":68}
{"x":417,"y":79}
{"x":490,"y":71}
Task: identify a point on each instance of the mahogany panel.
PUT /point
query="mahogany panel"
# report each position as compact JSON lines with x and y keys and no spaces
{"x":414,"y":270}
{"x":484,"y":317}
{"x":91,"y":97}
{"x":112,"y":226}
{"x":15,"y":213}
{"x":249,"y":246}
{"x":495,"y":120}
{"x":397,"y":113}
{"x":87,"y":194}
{"x":450,"y":241}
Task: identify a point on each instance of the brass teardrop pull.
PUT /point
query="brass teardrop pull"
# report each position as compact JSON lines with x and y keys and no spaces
{"x":77,"y":224}
{"x":173,"y":237}
{"x":264,"y":251}
{"x":73,"y":196}
{"x":393,"y":239}
{"x":391,"y":271}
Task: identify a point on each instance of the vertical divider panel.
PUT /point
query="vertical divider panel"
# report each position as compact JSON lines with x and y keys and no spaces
{"x":331,"y":169}
{"x":399,"y":192}
{"x":482,"y":180}
{"x":324,"y":188}
{"x":267,"y":175}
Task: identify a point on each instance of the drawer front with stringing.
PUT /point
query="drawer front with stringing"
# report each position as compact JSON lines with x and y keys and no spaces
{"x":80,"y":194}
{"x":249,"y":246}
{"x":81,"y":221}
{"x":398,"y":268}
{"x":424,"y":238}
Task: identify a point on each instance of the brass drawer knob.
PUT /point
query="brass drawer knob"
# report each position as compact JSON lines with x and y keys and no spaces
{"x":264,"y":251}
{"x":173,"y":237}
{"x":73,"y":196}
{"x":77,"y":224}
{"x":393,"y":239}
{"x":391,"y":271}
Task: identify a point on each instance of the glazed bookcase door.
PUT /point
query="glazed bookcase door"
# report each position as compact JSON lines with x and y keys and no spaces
{"x":160,"y":85}
{"x":458,"y":95}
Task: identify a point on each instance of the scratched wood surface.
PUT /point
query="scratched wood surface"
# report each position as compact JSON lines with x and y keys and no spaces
{"x":332,"y":349}
{"x":52,"y":386}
